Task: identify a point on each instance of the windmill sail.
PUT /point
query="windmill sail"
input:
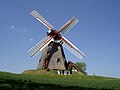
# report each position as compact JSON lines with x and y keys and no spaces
{"x":39,"y":46}
{"x":56,"y":35}
{"x":35,"y":14}
{"x":70,"y":47}
{"x":69,"y":25}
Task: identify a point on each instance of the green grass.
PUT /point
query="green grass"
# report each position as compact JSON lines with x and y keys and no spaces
{"x":49,"y":80}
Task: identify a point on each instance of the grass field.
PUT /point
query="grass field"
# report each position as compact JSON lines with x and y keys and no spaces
{"x":49,"y":80}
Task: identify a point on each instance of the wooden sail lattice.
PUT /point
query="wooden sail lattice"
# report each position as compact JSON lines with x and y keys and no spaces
{"x":53,"y":34}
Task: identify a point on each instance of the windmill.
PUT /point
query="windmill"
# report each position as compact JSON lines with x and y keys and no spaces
{"x":51,"y":46}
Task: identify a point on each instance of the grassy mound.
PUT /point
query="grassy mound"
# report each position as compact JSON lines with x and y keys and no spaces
{"x":40,"y":72}
{"x":44,"y":80}
{"x":46,"y":72}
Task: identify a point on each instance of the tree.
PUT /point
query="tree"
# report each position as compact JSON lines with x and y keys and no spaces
{"x":82,"y":65}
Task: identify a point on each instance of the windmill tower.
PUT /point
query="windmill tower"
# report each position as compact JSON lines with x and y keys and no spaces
{"x":53,"y":56}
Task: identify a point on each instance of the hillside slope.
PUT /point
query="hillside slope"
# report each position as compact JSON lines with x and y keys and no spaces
{"x":53,"y":81}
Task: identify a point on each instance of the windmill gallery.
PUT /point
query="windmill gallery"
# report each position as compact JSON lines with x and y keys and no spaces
{"x":53,"y":56}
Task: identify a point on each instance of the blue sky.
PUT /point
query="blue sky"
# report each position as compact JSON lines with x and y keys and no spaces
{"x":97,"y":33}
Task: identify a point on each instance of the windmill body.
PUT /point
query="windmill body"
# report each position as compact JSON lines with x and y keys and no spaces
{"x":53,"y":56}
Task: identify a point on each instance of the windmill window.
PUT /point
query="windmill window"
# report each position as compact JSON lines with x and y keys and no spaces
{"x":58,"y":60}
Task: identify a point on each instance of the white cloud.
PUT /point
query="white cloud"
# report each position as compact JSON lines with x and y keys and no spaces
{"x":31,"y":39}
{"x":14,"y":28}
{"x":22,"y":30}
